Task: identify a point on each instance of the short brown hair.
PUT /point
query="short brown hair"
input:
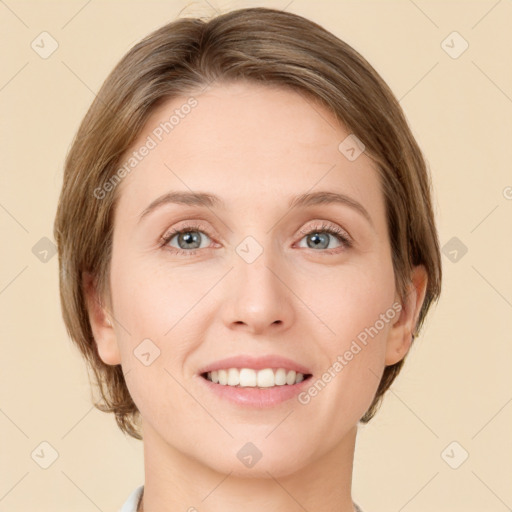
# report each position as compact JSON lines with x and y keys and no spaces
{"x":261,"y":45}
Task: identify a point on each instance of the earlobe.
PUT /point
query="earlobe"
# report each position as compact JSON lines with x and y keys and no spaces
{"x":401,"y":334}
{"x":101,"y":325}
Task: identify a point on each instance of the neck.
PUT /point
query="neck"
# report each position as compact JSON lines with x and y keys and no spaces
{"x":176,"y":481}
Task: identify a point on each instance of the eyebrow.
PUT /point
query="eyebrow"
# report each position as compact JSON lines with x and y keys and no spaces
{"x":206,"y":200}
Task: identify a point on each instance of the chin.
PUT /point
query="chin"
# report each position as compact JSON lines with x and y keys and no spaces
{"x":266,"y":467}
{"x":259,"y":459}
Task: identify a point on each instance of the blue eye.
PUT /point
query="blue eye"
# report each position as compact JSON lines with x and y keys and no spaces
{"x":188,"y":239}
{"x":322,"y":236}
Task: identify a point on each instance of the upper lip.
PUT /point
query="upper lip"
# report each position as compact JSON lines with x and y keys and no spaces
{"x":256,"y":363}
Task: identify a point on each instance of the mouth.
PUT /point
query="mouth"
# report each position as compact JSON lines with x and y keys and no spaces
{"x":255,"y":381}
{"x":251,"y":378}
{"x":254,"y":389}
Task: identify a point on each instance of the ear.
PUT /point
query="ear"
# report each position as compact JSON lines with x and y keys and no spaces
{"x":400,"y":336}
{"x":101,"y":322}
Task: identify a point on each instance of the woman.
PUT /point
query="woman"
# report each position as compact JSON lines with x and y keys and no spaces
{"x":247,"y":249}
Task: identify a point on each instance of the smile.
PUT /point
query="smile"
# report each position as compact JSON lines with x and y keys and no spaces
{"x":248,"y":377}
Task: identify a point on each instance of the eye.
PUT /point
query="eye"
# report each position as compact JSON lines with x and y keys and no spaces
{"x":320,"y":237}
{"x":188,"y":239}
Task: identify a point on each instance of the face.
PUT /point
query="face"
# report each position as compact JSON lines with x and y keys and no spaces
{"x":255,"y":273}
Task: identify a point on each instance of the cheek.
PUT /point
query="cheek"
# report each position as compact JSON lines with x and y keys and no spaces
{"x":153,"y":302}
{"x":361,"y":317}
{"x":149,"y":296}
{"x":349,"y":300}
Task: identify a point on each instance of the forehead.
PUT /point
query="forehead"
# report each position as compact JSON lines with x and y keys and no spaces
{"x":246,"y":143}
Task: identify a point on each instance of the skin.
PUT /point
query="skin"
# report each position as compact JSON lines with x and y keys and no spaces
{"x":267,"y":145}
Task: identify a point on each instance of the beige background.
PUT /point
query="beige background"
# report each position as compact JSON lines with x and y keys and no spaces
{"x":457,"y":383}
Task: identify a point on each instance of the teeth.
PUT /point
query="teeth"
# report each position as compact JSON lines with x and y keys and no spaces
{"x":247,"y":377}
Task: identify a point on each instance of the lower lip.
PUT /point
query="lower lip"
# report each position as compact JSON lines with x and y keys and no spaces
{"x":261,"y":398}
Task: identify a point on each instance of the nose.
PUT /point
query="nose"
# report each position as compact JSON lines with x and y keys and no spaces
{"x":257,"y":299}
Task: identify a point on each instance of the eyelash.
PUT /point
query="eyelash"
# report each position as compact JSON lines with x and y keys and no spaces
{"x":331,"y":230}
